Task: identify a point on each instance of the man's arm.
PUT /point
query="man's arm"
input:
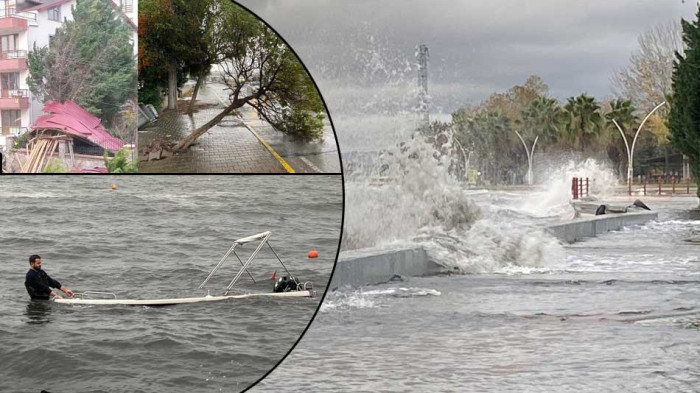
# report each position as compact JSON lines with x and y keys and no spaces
{"x":55,"y":284}
{"x":67,"y":291}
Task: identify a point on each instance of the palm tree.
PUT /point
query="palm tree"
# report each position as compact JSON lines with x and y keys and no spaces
{"x":545,"y":118}
{"x":623,"y":112}
{"x":584,"y":120}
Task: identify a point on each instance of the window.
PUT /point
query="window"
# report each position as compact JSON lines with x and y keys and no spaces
{"x":126,"y":6}
{"x":11,"y":119}
{"x":8,"y":43}
{"x":55,"y":14}
{"x":8,"y":81}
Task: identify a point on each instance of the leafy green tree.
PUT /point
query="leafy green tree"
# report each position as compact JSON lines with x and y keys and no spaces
{"x":684,"y":118}
{"x":205,"y":37}
{"x":517,"y":99}
{"x":584,"y":121}
{"x":89,"y":61}
{"x":545,"y":118}
{"x":120,"y":162}
{"x":55,"y":165}
{"x":488,"y":135}
{"x":624,"y":113}
{"x":284,"y":94}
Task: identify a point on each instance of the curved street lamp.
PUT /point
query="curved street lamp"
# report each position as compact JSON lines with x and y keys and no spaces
{"x":530,"y":154}
{"x":630,"y":151}
{"x":466,"y":159}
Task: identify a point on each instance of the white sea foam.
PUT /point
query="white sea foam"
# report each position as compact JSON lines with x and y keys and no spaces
{"x":370,"y":298}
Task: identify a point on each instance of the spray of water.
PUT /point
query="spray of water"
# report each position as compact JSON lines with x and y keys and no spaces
{"x":400,"y":192}
{"x":551,"y":198}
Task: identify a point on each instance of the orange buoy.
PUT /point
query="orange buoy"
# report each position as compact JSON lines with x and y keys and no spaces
{"x":114,"y":186}
{"x":313,"y":254}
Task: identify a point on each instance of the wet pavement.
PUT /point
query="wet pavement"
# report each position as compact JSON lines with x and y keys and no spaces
{"x":241,"y":143}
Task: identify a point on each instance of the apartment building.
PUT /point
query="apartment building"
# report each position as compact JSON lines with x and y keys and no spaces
{"x":24,"y":24}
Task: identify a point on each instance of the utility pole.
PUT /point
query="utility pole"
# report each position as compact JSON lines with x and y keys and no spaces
{"x":630,"y":150}
{"x":423,"y":104}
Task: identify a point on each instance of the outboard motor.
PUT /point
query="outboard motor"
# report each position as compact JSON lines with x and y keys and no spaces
{"x":286,"y":284}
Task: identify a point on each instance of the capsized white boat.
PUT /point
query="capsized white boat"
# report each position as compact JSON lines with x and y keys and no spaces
{"x":285,"y":287}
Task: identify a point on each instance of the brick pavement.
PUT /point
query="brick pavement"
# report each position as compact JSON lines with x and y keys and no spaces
{"x":228,"y":147}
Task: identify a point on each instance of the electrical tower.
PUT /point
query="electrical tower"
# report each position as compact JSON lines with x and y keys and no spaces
{"x":423,"y":98}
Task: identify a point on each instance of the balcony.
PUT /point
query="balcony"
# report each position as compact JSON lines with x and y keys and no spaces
{"x":11,"y":25}
{"x":125,"y":6}
{"x":13,"y":131}
{"x":13,"y":61}
{"x":14,"y":99}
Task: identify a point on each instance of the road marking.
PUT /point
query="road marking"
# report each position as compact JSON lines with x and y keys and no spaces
{"x":309,"y":163}
{"x":272,"y":151}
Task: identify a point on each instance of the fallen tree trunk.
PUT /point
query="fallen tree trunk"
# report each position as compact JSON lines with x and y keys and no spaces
{"x":189,"y":140}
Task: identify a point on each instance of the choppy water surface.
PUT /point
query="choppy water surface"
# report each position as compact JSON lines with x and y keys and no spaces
{"x":620,"y":312}
{"x":154,"y":237}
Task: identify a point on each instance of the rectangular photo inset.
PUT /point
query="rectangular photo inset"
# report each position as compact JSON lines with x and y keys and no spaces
{"x":140,"y":283}
{"x":68,"y":86}
{"x":220,"y":91}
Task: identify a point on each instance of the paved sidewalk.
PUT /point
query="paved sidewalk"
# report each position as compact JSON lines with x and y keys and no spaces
{"x":228,"y":147}
{"x":320,"y":156}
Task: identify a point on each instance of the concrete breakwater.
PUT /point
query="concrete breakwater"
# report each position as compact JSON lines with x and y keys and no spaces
{"x":572,"y":231}
{"x":374,"y":266}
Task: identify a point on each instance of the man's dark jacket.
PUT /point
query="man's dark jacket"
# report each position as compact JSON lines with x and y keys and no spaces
{"x":38,"y":283}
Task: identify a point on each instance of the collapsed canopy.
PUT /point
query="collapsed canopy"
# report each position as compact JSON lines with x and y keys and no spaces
{"x":72,"y":119}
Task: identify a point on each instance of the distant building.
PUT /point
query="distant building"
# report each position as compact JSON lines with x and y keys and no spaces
{"x":24,"y":24}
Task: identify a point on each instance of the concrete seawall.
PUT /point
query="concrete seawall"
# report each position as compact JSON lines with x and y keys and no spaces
{"x":374,"y":266}
{"x":572,"y":231}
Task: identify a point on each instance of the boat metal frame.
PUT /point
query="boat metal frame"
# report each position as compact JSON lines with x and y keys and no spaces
{"x":303,"y":289}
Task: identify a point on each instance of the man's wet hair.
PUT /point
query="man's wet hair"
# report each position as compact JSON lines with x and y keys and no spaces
{"x":33,"y":258}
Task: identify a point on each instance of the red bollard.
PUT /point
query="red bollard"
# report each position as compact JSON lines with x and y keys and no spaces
{"x":580,"y":187}
{"x":586,"y":186}
{"x":644,"y":180}
{"x":574,"y":188}
{"x":659,"y":179}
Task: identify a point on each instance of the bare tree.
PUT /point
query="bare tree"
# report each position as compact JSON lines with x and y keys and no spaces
{"x":647,"y":79}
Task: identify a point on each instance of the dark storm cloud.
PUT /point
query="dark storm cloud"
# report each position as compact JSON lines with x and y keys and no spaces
{"x":476,"y":47}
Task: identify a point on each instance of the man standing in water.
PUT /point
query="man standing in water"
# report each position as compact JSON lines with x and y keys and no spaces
{"x":39,"y":284}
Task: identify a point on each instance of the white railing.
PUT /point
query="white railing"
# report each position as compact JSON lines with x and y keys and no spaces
{"x":10,"y":11}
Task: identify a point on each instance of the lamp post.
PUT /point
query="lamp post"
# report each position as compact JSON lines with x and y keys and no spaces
{"x":630,"y":150}
{"x":466,"y":158}
{"x":530,"y":154}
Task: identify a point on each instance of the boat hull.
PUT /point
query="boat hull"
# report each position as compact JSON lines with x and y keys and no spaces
{"x":169,"y":302}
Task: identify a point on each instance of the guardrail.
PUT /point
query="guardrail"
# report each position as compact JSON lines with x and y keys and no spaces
{"x":15,"y":93}
{"x":14,"y":131}
{"x":663,"y":182}
{"x":11,"y":12}
{"x":13,"y":54}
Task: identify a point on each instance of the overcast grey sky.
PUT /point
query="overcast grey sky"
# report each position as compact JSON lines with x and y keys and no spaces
{"x":476,"y":47}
